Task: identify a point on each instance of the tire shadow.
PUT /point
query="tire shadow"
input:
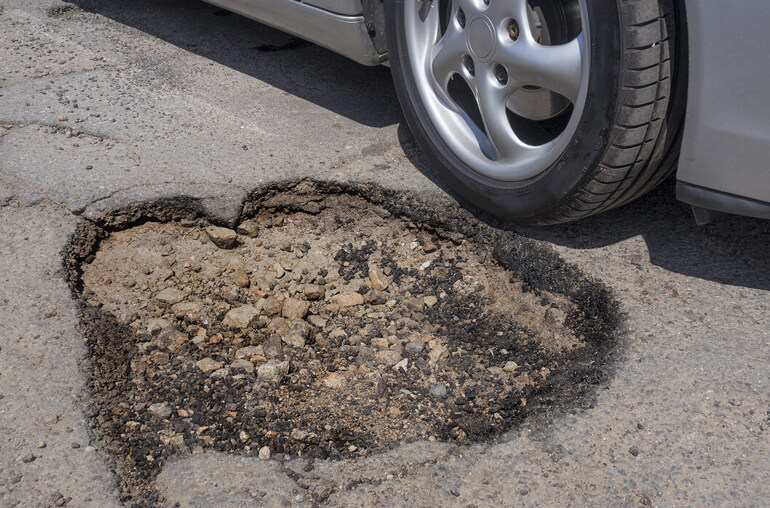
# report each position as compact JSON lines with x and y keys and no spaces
{"x":731,"y":250}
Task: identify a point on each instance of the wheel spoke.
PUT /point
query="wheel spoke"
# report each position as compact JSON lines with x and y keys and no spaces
{"x":491,"y":101}
{"x":447,"y":56}
{"x":557,"y":68}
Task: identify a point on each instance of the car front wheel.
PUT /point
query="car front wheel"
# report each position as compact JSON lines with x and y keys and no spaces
{"x":539,"y":111}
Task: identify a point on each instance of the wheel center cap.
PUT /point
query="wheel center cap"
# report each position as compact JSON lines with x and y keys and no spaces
{"x":481,"y":38}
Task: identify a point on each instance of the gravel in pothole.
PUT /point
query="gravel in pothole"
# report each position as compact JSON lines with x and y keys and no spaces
{"x":335,"y":333}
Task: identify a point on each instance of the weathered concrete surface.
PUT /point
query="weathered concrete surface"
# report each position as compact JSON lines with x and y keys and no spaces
{"x":175,"y":100}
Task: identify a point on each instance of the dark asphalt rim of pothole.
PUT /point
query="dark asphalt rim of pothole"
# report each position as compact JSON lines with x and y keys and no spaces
{"x":536,"y":264}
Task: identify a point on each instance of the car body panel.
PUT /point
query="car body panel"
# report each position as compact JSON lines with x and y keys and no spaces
{"x":342,"y":33}
{"x":726,"y":143}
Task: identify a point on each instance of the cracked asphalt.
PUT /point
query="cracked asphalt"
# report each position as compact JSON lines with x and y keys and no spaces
{"x":105,"y":103}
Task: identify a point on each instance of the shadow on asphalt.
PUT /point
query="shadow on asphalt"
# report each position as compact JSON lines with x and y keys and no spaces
{"x":734,"y":250}
{"x":362,"y":94}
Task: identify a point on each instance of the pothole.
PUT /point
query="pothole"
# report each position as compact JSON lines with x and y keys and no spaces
{"x":330,"y":325}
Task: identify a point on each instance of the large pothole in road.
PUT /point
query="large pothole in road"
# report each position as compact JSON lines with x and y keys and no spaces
{"x":331,"y":325}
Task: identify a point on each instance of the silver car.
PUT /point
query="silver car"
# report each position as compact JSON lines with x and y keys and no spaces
{"x":547,"y":111}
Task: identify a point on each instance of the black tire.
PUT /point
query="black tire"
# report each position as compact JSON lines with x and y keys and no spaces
{"x":628,"y":134}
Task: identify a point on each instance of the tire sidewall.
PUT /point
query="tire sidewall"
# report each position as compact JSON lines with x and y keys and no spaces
{"x":539,"y":197}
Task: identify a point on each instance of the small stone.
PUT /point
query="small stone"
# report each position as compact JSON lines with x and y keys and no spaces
{"x":438,"y":390}
{"x":63,"y":118}
{"x":75,"y":445}
{"x":51,"y":419}
{"x":279,"y":271}
{"x":377,"y":280}
{"x":243,"y":436}
{"x":240,"y":317}
{"x":249,"y":352}
{"x":314,"y":292}
{"x":416,"y":346}
{"x":248,"y":228}
{"x":183,"y":413}
{"x":334,"y":380}
{"x":286,"y":246}
{"x":294,"y":308}
{"x":510,"y":367}
{"x":273,"y":346}
{"x":402,"y":365}
{"x":388,"y":357}
{"x":380,"y":343}
{"x":438,"y":353}
{"x":430,"y":301}
{"x":348,"y":299}
{"x":208,"y":365}
{"x":316,"y":321}
{"x":295,"y":332}
{"x":170,"y":296}
{"x":28,"y":458}
{"x":243,"y":366}
{"x":633,"y":451}
{"x":429,"y":247}
{"x":242,"y":279}
{"x":273,"y":371}
{"x":189,"y":311}
{"x":264,"y":453}
{"x":273,"y":306}
{"x":299,"y":434}
{"x":223,"y":238}
{"x":41,"y":444}
{"x":415,"y":305}
{"x":160,"y":410}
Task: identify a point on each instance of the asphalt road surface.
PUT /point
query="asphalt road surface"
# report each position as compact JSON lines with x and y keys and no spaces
{"x":105,"y":103}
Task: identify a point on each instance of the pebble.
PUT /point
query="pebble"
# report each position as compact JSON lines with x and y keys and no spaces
{"x":240,"y":317}
{"x":634,"y":451}
{"x":242,"y":365}
{"x":402,"y":365}
{"x":415,"y":304}
{"x":272,"y":306}
{"x":248,"y":228}
{"x":348,"y":299}
{"x":249,"y":352}
{"x":223,"y":238}
{"x":160,"y":410}
{"x":335,"y":380}
{"x":294,"y":308}
{"x":438,"y":353}
{"x":273,"y":371}
{"x":208,"y":365}
{"x":41,"y":444}
{"x":264,"y":453}
{"x":377,"y":280}
{"x":510,"y":367}
{"x":170,"y":296}
{"x":314,"y":292}
{"x":416,"y":346}
{"x":430,"y":301}
{"x":295,"y":332}
{"x":439,"y":390}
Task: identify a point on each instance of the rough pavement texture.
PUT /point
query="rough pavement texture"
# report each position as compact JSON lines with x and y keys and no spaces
{"x":124,"y":102}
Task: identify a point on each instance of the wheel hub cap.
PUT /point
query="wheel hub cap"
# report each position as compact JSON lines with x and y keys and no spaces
{"x":481,"y":38}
